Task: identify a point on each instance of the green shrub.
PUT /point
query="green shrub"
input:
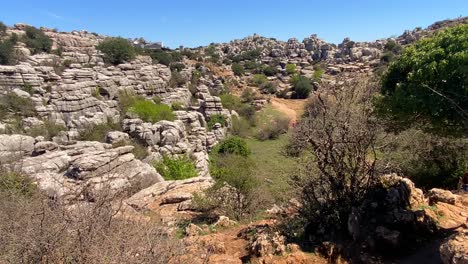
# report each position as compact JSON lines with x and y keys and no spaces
{"x":15,"y":183}
{"x":3,"y":28}
{"x":217,"y":118}
{"x":270,"y":71}
{"x":176,"y":168}
{"x":178,"y":67}
{"x":318,"y":73}
{"x":240,"y":127}
{"x":48,"y":130}
{"x":268,"y":88}
{"x":248,"y":95}
{"x":117,"y":50}
{"x":274,"y":129}
{"x":7,"y":53}
{"x":248,"y":112}
{"x":258,"y":79}
{"x":230,"y":101}
{"x":36,"y":40}
{"x":162,"y":57}
{"x":16,"y":105}
{"x":233,"y":145}
{"x":176,"y":106}
{"x":127,"y":99}
{"x":291,"y":69}
{"x":238,"y":69}
{"x":302,"y":86}
{"x":177,"y":80}
{"x":234,"y":193}
{"x":98,"y":132}
{"x":140,"y":151}
{"x":148,"y":111}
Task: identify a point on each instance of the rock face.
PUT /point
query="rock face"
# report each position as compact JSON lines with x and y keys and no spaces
{"x":438,"y":195}
{"x":455,"y":249}
{"x":78,"y":171}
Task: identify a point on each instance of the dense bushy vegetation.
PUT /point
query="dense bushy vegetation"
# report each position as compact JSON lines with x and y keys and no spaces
{"x":177,"y":168}
{"x":233,"y":145}
{"x":302,"y":86}
{"x":36,"y":40}
{"x":145,"y":109}
{"x":237,"y":69}
{"x":117,"y":50}
{"x":427,"y":85}
{"x":7,"y":52}
{"x":217,"y":119}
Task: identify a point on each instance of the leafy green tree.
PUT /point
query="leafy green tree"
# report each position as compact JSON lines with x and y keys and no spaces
{"x":36,"y":40}
{"x":117,"y":50}
{"x":233,"y":145}
{"x":427,"y":86}
{"x":7,"y":53}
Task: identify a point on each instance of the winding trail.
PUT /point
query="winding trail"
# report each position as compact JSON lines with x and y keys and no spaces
{"x":292,"y":108}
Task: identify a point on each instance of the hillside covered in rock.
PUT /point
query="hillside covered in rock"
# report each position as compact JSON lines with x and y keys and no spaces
{"x":220,"y":149}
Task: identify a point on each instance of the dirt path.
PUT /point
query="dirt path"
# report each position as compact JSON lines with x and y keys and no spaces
{"x":292,"y":108}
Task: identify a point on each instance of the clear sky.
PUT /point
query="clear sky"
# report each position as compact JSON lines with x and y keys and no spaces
{"x":195,"y":23}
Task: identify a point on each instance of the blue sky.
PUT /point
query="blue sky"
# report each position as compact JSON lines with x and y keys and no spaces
{"x":194,"y":23}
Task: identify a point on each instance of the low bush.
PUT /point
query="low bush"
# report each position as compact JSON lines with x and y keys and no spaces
{"x":98,"y":132}
{"x":176,"y":168}
{"x":258,"y":79}
{"x":234,"y":191}
{"x":140,"y":151}
{"x":3,"y":28}
{"x":148,"y":111}
{"x":233,"y":145}
{"x":177,"y":80}
{"x":36,"y":40}
{"x":240,"y":127}
{"x":302,"y":86}
{"x":274,"y":129}
{"x":238,"y":69}
{"x":12,"y":104}
{"x":176,"y":106}
{"x":217,"y":118}
{"x":7,"y":52}
{"x":48,"y":130}
{"x":248,"y":95}
{"x":270,"y":71}
{"x":14,"y":183}
{"x":178,"y":67}
{"x":291,"y":69}
{"x":230,"y":101}
{"x":268,"y":88}
{"x":318,"y":73}
{"x":117,"y":50}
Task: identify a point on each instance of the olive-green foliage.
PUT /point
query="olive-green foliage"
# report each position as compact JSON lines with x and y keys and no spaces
{"x":270,"y":71}
{"x":3,"y":28}
{"x":240,"y":127}
{"x":230,"y":101}
{"x":427,"y":86}
{"x":318,"y":73}
{"x":7,"y":52}
{"x":233,"y":145}
{"x":429,"y":160}
{"x":148,"y":111}
{"x":14,"y":183}
{"x":140,"y":151}
{"x":176,"y":168}
{"x":36,"y":40}
{"x":177,"y":80}
{"x":99,"y":132}
{"x":302,"y":86}
{"x":217,"y":118}
{"x":127,"y":99}
{"x":176,"y":106}
{"x":272,"y":130}
{"x":117,"y":50}
{"x":234,"y":191}
{"x":248,"y":95}
{"x":247,"y":55}
{"x":178,"y":67}
{"x":268,"y":88}
{"x":291,"y":68}
{"x":258,"y":79}
{"x":238,"y":69}
{"x":16,"y":105}
{"x":48,"y":130}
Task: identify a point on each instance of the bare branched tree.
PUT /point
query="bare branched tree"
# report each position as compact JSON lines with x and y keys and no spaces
{"x":338,"y":134}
